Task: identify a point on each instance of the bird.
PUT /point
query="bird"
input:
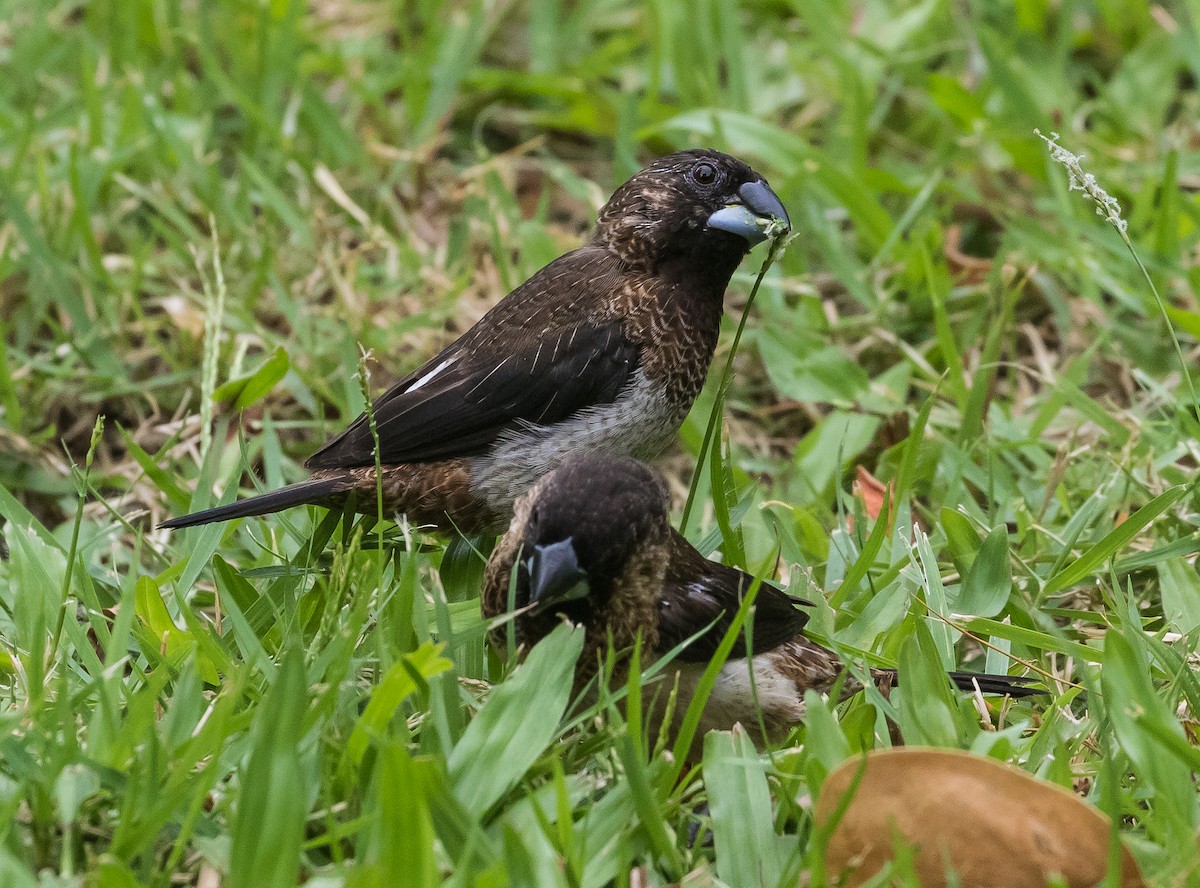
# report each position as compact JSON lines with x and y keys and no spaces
{"x":592,"y":543}
{"x":604,"y":349}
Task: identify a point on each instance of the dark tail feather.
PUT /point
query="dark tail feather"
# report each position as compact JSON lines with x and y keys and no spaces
{"x":311,"y":491}
{"x":1009,"y":685}
{"x":1002,"y":685}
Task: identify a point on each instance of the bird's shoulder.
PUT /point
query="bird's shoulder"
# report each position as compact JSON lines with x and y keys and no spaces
{"x":578,"y":286}
{"x":577,"y":292}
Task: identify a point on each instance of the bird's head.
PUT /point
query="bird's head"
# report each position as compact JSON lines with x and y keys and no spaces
{"x":591,"y":535}
{"x":694,"y":203}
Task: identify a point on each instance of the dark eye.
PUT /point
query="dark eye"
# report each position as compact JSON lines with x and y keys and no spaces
{"x":704,"y":173}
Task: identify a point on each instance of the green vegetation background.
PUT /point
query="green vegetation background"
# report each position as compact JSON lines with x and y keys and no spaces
{"x":235,"y":196}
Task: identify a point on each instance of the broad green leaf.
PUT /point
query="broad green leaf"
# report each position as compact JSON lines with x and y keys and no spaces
{"x":110,"y":873}
{"x":14,"y":874}
{"x":31,"y":595}
{"x":841,"y":434}
{"x":824,"y":739}
{"x":461,"y":570}
{"x":1130,"y":697}
{"x":927,"y":709}
{"x":272,"y":802}
{"x":882,"y":611}
{"x":960,"y":534}
{"x":802,"y":366}
{"x":1180,"y":594}
{"x":1116,"y":538}
{"x":602,"y":828}
{"x":392,"y":690}
{"x":518,"y":721}
{"x":75,"y":785}
{"x":245,"y":390}
{"x":740,"y":802}
{"x":176,"y":643}
{"x":988,"y":582}
{"x":402,"y":825}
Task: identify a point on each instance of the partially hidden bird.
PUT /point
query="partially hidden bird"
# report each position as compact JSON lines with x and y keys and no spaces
{"x":592,"y":543}
{"x":604,"y":349}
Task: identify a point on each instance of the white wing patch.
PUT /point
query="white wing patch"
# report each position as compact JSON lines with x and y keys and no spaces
{"x":430,"y":375}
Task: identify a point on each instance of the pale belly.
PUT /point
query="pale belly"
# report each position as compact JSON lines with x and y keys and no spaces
{"x":770,"y":700}
{"x":640,"y":423}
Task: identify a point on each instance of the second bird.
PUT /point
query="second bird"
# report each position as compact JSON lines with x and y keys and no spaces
{"x":603,"y":350}
{"x":593,"y":543}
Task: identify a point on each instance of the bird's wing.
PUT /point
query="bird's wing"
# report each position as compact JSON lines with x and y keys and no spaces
{"x":699,"y":592}
{"x":463,"y":400}
{"x":542,"y":353}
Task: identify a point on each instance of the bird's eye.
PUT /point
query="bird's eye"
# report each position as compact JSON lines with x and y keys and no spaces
{"x":704,"y":173}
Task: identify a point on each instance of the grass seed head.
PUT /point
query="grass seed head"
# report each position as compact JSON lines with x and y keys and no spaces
{"x":1106,"y":204}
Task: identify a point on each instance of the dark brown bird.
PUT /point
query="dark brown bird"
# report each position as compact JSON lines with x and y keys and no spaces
{"x":592,"y":542}
{"x":604,"y":349}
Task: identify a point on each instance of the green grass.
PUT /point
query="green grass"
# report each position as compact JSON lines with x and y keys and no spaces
{"x":197,"y":193}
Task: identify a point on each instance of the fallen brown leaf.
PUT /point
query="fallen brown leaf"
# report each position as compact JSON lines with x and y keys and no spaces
{"x":994,"y":823}
{"x":873,"y":492}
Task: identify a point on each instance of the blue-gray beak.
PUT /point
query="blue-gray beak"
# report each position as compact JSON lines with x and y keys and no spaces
{"x":555,"y":575}
{"x":756,"y":214}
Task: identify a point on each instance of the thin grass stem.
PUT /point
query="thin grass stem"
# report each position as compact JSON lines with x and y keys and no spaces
{"x":81,"y":498}
{"x":718,"y":409}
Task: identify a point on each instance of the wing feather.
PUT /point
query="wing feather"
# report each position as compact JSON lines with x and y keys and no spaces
{"x":502,"y":375}
{"x":699,"y":592}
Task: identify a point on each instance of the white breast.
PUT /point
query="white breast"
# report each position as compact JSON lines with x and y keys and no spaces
{"x":771,"y":697}
{"x":639,"y":423}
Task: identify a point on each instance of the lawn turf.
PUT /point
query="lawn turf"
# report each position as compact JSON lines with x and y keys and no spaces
{"x":238,"y":198}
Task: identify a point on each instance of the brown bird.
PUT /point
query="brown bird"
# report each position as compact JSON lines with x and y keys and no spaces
{"x":592,"y":542}
{"x":604,"y":349}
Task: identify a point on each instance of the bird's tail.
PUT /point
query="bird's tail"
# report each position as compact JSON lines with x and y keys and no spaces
{"x":1008,"y":685}
{"x":988,"y":683}
{"x":311,"y":491}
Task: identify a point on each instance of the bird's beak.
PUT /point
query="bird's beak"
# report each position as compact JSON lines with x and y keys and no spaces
{"x":756,"y":214}
{"x":555,"y":575}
